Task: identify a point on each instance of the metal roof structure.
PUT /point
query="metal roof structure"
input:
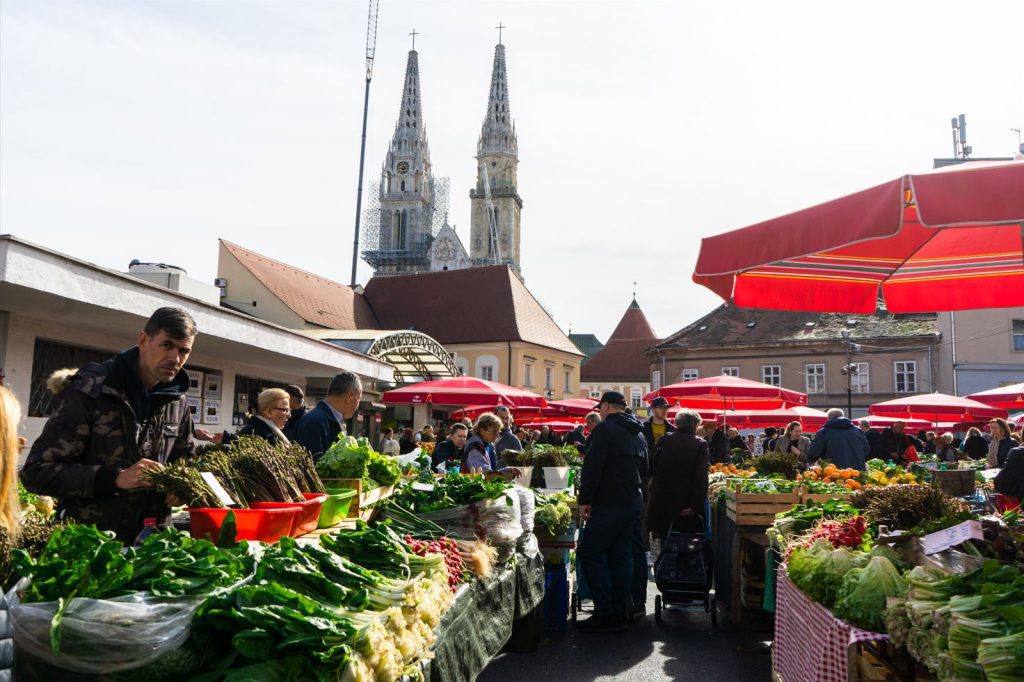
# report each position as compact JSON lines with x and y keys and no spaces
{"x":414,"y":355}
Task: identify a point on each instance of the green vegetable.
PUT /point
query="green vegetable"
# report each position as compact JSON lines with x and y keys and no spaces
{"x":785,"y":463}
{"x":1002,"y":658}
{"x":383,"y":469}
{"x":904,"y":506}
{"x":346,"y":458}
{"x":451,"y":491}
{"x":552,"y":513}
{"x":861,"y":598}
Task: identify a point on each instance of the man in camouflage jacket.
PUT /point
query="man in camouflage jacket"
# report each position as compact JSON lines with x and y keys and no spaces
{"x":115,"y":421}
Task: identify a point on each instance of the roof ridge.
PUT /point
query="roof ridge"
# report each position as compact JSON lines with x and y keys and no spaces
{"x":231,"y":246}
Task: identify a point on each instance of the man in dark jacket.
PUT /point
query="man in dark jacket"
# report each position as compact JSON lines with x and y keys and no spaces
{"x":874,"y":439}
{"x":296,"y":403}
{"x":611,"y":502}
{"x":451,"y":449}
{"x":719,"y":444}
{"x":322,"y":425}
{"x":895,"y":441}
{"x":840,"y":442}
{"x":657,"y":426}
{"x":117,"y":420}
{"x":575,"y":437}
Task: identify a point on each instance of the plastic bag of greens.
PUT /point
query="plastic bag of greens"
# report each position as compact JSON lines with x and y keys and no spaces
{"x":527,"y":507}
{"x":496,"y":520}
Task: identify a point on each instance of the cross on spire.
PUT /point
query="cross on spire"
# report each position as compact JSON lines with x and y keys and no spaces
{"x":414,"y":34}
{"x":500,"y":26}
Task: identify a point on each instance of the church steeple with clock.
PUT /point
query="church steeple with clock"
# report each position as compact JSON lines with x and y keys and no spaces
{"x":406,"y":189}
{"x":495,"y":221}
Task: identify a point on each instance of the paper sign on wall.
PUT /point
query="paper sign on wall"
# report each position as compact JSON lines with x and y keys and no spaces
{"x":954,"y":535}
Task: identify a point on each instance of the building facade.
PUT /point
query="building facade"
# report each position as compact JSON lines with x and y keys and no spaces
{"x":984,"y":349}
{"x":891,"y":355}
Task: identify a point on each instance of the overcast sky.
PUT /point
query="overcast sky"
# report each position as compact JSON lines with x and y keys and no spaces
{"x":149,"y":129}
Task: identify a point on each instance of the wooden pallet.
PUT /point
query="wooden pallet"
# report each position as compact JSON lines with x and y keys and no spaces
{"x":757,"y":509}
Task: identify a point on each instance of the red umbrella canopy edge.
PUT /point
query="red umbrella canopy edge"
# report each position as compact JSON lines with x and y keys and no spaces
{"x":1007,"y":397}
{"x":727,"y":392}
{"x":936,"y":407}
{"x":462,"y":391}
{"x":948,"y":239}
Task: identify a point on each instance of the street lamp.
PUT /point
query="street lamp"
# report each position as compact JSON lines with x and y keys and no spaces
{"x":848,"y":370}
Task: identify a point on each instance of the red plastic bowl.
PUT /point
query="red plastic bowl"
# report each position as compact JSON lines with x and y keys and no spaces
{"x":308,"y":516}
{"x":265,"y":525}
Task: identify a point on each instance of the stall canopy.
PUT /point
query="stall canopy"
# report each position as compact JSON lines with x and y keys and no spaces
{"x":462,"y":391}
{"x":937,"y":408}
{"x":810,"y":419}
{"x":1007,"y":397}
{"x":414,"y":355}
{"x":948,"y":239}
{"x":728,"y":393}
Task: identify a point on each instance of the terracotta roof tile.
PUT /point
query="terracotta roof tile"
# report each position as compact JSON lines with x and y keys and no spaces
{"x":622,"y":357}
{"x":315,"y":299}
{"x":473,"y":305}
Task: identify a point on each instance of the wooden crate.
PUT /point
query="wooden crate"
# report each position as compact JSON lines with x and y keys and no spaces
{"x":757,"y":509}
{"x":362,"y":500}
{"x":870,"y":669}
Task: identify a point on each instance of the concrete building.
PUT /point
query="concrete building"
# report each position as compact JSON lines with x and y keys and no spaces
{"x":983,"y":349}
{"x":620,"y":365}
{"x":893,"y":355}
{"x":57,"y":311}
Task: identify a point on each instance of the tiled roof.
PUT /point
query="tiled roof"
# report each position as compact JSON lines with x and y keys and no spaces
{"x":622,"y":357}
{"x":473,"y":305}
{"x":315,"y":299}
{"x":588,"y":344}
{"x":729,"y":324}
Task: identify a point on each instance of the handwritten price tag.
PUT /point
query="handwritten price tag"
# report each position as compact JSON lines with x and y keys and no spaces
{"x":949,"y":537}
{"x":217,"y":489}
{"x":425,"y":487}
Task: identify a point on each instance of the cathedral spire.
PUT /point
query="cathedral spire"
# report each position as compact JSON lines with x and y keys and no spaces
{"x":498,"y":135}
{"x":409,"y":128}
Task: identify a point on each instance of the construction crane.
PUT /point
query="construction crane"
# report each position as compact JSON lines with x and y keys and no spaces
{"x":371,"y":46}
{"x":492,"y":219}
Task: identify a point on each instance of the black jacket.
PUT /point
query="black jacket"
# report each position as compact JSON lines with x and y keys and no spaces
{"x":575,"y":437}
{"x":105,"y":422}
{"x":841,"y":443}
{"x":293,"y":421}
{"x":976,"y":447}
{"x":875,"y":449}
{"x":895,"y":444}
{"x":649,"y":433}
{"x":446,"y":452}
{"x":616,"y":463}
{"x":317,"y":430}
{"x":257,"y":427}
{"x":1010,"y":481}
{"x":719,"y":443}
{"x":1005,"y":445}
{"x":679,"y":479}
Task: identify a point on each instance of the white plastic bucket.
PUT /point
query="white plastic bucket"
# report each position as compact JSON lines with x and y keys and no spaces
{"x":556,"y":477}
{"x":525,"y":474}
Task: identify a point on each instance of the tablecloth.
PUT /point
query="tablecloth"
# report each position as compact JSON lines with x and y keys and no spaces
{"x":811,"y":645}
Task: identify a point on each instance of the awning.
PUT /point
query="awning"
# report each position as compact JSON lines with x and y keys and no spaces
{"x":415,"y":356}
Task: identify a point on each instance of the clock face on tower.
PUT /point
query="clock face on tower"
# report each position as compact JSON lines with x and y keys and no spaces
{"x":403,"y":167}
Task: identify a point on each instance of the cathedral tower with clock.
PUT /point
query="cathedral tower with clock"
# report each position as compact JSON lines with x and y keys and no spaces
{"x":406,"y":191}
{"x":496,"y":205}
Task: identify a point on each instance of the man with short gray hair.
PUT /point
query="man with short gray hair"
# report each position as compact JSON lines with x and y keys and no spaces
{"x":874,"y":439}
{"x":839,"y":442}
{"x":322,"y":425}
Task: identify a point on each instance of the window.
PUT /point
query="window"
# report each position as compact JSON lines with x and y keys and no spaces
{"x":906,"y":376}
{"x":595,"y":394}
{"x":771,"y":374}
{"x":814,"y":378}
{"x":549,"y":378}
{"x":731,"y":371}
{"x":1018,"y":334}
{"x":487,"y":373}
{"x":568,"y":381}
{"x":47,"y":358}
{"x":527,"y":375}
{"x":860,"y":381}
{"x":635,"y":398}
{"x":689,"y":375}
{"x":656,"y":380}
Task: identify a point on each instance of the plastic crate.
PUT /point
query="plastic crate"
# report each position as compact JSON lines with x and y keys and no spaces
{"x":307,"y":517}
{"x":265,"y":525}
{"x":556,"y":597}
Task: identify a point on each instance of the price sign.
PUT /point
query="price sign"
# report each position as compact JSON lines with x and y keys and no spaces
{"x":954,"y":535}
{"x":217,"y":489}
{"x":425,"y":487}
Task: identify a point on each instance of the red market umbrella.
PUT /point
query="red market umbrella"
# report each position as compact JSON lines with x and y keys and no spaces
{"x":574,"y":406}
{"x":462,"y":391}
{"x":728,"y":393}
{"x":1007,"y":397}
{"x":937,"y":407}
{"x":810,"y":418}
{"x":474,"y":411}
{"x":911,"y":424}
{"x":706,"y":415}
{"x":558,"y":426}
{"x":948,"y":239}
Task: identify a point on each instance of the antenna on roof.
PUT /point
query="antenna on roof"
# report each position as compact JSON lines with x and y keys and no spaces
{"x":960,"y":146}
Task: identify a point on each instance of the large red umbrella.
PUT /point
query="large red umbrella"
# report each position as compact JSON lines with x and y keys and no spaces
{"x":937,"y":407}
{"x":527,"y":411}
{"x":1007,"y":397}
{"x":810,"y":418}
{"x":948,"y":239}
{"x":728,"y":393}
{"x":886,"y":422}
{"x":462,"y":391}
{"x":578,"y":407}
{"x":706,"y":415}
{"x":556,"y":425}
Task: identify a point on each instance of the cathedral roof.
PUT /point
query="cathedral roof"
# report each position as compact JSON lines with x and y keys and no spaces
{"x":498,"y":134}
{"x":315,"y":299}
{"x":622,"y":357}
{"x":474,"y":305}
